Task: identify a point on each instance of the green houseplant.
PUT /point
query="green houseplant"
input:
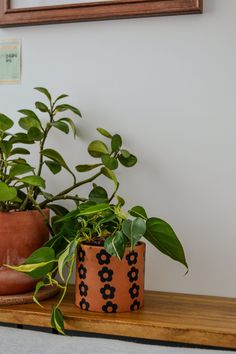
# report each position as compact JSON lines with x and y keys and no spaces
{"x":24,"y":199}
{"x":98,"y":220}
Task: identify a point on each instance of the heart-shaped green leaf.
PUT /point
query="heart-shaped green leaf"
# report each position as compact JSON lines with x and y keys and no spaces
{"x":138,"y":211}
{"x":163,"y":237}
{"x":115,"y":245}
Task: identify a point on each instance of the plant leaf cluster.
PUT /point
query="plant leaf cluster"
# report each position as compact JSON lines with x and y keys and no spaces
{"x":98,"y":218}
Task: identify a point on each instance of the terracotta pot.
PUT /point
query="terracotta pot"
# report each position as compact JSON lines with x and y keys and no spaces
{"x":21,"y":233}
{"x":105,"y":284}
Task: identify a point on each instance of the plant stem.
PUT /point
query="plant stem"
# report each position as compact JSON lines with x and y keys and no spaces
{"x":68,"y":190}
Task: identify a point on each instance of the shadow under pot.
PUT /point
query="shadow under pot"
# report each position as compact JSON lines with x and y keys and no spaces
{"x":106,"y":284}
{"x":21,"y":233}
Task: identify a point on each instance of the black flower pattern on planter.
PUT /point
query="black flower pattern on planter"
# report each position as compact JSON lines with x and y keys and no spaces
{"x":132,"y":258}
{"x":109,"y":307}
{"x":81,"y":255}
{"x":83,"y":289}
{"x":133,"y":274}
{"x":108,"y":292}
{"x":84,"y":305}
{"x":135,"y":305}
{"x":134,"y":291}
{"x":105,"y":274}
{"x":82,"y":271}
{"x":103,"y":257}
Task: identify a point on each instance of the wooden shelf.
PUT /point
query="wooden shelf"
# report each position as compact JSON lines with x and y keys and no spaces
{"x":192,"y":319}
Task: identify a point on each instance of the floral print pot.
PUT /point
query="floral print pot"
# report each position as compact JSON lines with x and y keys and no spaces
{"x":21,"y":233}
{"x":106,"y":284}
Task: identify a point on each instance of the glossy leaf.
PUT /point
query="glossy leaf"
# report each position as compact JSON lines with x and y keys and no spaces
{"x":94,"y":209}
{"x":53,"y":166}
{"x":134,"y":230}
{"x":120,"y":200}
{"x":57,"y":321}
{"x":115,"y":245}
{"x":138,"y":228}
{"x":109,"y":162}
{"x":62,"y":126}
{"x":28,"y":122}
{"x":41,"y":284}
{"x":116,"y":143}
{"x":41,"y":107}
{"x":20,"y":169}
{"x":97,"y":148}
{"x":29,"y":113}
{"x":104,"y":132}
{"x":38,"y":264}
{"x":5,"y":122}
{"x":68,"y":107}
{"x":86,"y":168}
{"x":71,"y":123}
{"x":34,"y":181}
{"x":21,"y":138}
{"x":126,"y":228}
{"x":128,"y":162}
{"x":98,"y":195}
{"x":55,"y":156}
{"x":7,"y":193}
{"x":44,"y":91}
{"x":125,"y":153}
{"x":138,"y":211}
{"x":6,"y":147}
{"x":61,"y":97}
{"x":163,"y":237}
{"x":19,"y":151}
{"x":66,"y":256}
{"x":35,"y":134}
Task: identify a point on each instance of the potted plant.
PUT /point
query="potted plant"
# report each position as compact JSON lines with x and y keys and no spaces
{"x":106,"y":241}
{"x":24,"y":201}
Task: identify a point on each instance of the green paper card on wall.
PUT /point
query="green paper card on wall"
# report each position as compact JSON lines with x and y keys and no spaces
{"x":10,"y":61}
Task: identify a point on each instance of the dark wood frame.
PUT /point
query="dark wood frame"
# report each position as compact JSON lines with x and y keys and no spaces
{"x":104,"y":10}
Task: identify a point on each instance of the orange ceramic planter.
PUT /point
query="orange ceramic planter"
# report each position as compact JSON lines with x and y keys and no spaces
{"x":105,"y":284}
{"x":21,"y":233}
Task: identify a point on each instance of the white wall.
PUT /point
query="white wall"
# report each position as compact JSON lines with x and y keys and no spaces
{"x":168,"y":85}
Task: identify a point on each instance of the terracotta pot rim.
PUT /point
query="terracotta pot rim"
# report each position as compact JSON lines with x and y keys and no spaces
{"x":140,"y":244}
{"x":22,"y":211}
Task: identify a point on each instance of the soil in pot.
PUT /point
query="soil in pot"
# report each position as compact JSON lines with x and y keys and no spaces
{"x":106,"y":284}
{"x":21,"y":233}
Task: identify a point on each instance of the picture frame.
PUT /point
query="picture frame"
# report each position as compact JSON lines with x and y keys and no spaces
{"x":91,"y":11}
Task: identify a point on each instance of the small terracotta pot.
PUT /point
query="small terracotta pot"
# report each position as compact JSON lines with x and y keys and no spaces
{"x":106,"y":284}
{"x":21,"y":233}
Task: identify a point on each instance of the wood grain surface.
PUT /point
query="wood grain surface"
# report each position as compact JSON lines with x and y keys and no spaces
{"x":192,"y":319}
